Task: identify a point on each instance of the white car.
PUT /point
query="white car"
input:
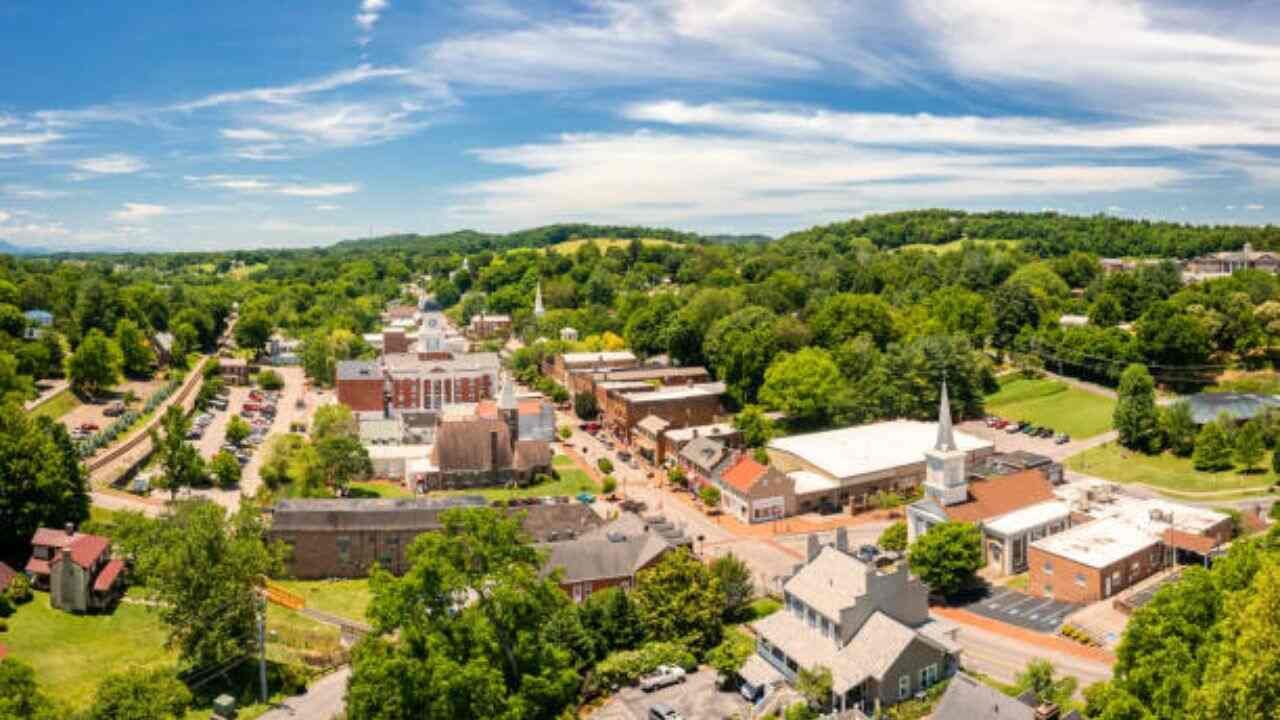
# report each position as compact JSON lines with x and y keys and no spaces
{"x":661,"y":677}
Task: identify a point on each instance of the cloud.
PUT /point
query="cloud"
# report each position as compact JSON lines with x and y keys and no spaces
{"x":651,"y":177}
{"x":4,"y":216}
{"x":327,"y":208}
{"x":249,"y":184}
{"x":28,"y":139}
{"x":138,"y":212}
{"x":26,"y":192}
{"x":1255,"y":206}
{"x":116,"y":164}
{"x":249,"y":135}
{"x":370,"y":12}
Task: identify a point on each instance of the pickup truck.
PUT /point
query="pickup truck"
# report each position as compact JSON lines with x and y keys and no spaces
{"x":661,"y":677}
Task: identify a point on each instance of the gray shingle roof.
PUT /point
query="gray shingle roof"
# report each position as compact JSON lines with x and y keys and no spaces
{"x":968,"y":699}
{"x":357,"y":370}
{"x":704,"y":453}
{"x":595,"y":559}
{"x":873,"y":650}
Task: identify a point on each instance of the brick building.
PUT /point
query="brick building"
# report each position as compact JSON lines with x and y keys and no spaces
{"x":755,"y":493}
{"x":331,"y":538}
{"x":608,"y":556}
{"x":488,"y":326}
{"x":679,"y":406}
{"x":561,"y":366}
{"x":1126,"y":543}
{"x":652,"y":378}
{"x":415,"y":382}
{"x":360,"y":385}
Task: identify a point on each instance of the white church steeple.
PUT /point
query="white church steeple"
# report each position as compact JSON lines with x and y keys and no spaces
{"x":537,"y":301}
{"x":946,"y":480}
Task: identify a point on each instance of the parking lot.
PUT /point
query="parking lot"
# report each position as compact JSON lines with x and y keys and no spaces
{"x":696,"y":698}
{"x":1025,"y":611}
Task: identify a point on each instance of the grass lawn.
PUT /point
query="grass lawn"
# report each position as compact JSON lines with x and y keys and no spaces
{"x":345,"y":598}
{"x":57,"y":405}
{"x":1113,"y":462}
{"x":1054,"y":404}
{"x":955,"y":245}
{"x":572,"y":481}
{"x":568,"y":247}
{"x":378,"y":489}
{"x":70,"y":653}
{"x":1265,"y":382}
{"x":762,"y":607}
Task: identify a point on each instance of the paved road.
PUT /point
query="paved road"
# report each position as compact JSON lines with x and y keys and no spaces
{"x":697,"y":697}
{"x":1003,"y":658}
{"x":324,"y":700}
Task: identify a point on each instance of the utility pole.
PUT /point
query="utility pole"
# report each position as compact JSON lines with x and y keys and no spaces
{"x":262,"y":646}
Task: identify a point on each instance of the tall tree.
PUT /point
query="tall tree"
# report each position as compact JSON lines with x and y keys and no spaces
{"x":136,"y":353}
{"x":95,"y":364}
{"x":756,"y":427}
{"x":679,"y":599}
{"x":1249,"y":445}
{"x":1015,"y":309}
{"x":345,"y":460}
{"x":1135,"y":417}
{"x":204,"y":572}
{"x":1179,"y":429}
{"x":42,"y":482}
{"x":180,"y":464}
{"x":736,"y":583}
{"x":806,"y":386}
{"x":947,"y":556}
{"x":1213,"y":447}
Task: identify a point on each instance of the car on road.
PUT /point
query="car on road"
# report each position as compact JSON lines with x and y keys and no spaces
{"x":661,"y":677}
{"x":1062,"y":439}
{"x":88,"y":427}
{"x":114,"y":409}
{"x":1013,"y":428}
{"x":663,"y":711}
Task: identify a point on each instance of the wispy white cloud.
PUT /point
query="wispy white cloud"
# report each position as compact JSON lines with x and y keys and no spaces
{"x":661,"y":177}
{"x":326,"y":208}
{"x":26,"y":192}
{"x":115,"y":164}
{"x":293,"y":92}
{"x":133,"y":212}
{"x":370,"y":12}
{"x":28,"y":139}
{"x":250,"y":184}
{"x":249,"y":135}
{"x":4,"y":216}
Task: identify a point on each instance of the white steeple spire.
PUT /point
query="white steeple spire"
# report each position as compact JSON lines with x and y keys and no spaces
{"x":537,"y":301}
{"x":946,"y":434}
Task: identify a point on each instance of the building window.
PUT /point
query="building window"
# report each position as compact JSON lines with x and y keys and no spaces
{"x":826,"y":628}
{"x":932,"y":674}
{"x":1133,"y":568}
{"x":1080,"y":579}
{"x":344,"y":548}
{"x":813,"y":618}
{"x":1048,"y":567}
{"x":904,"y":686}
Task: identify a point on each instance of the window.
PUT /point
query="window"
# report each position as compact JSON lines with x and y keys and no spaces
{"x":932,"y":674}
{"x":344,"y":548}
{"x":813,"y":618}
{"x":1048,"y":567}
{"x":1133,"y":568}
{"x":1080,"y":579}
{"x":904,"y":686}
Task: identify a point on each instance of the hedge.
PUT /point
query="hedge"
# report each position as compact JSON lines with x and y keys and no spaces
{"x":626,"y":666}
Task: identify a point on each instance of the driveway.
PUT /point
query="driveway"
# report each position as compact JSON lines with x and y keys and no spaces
{"x":696,"y":698}
{"x":324,"y":700}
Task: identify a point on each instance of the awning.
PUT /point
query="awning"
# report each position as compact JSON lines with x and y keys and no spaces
{"x":1199,"y":544}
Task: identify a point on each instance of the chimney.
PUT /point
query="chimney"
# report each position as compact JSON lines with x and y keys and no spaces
{"x":814,"y":547}
{"x":71,"y":529}
{"x":842,"y":540}
{"x":1047,"y":711}
{"x":493,"y":450}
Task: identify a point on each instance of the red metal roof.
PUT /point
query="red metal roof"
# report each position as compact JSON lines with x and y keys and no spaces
{"x":48,"y":537}
{"x":1199,"y":544}
{"x":7,"y":574}
{"x":37,"y":566}
{"x":744,"y":474}
{"x":3,"y":651}
{"x":108,"y":576}
{"x":86,"y":550}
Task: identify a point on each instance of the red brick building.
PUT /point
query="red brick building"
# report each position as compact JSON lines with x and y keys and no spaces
{"x":561,"y":366}
{"x":679,"y":407}
{"x":416,"y":381}
{"x":360,"y":385}
{"x":489,"y":326}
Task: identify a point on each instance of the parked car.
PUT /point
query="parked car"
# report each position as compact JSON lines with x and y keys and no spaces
{"x":1000,"y":424}
{"x":663,"y":711}
{"x":114,"y":409}
{"x":1046,"y":432}
{"x":868,"y":553}
{"x":89,"y":427}
{"x":661,"y":677}
{"x":1013,"y":428}
{"x":1062,"y":439}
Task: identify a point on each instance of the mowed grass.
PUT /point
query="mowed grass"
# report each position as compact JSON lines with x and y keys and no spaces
{"x":344,"y":598}
{"x":1113,"y":462}
{"x":956,"y":244}
{"x":1054,"y":404}
{"x":568,"y":247}
{"x":56,"y":406}
{"x":71,"y":653}
{"x":572,"y":481}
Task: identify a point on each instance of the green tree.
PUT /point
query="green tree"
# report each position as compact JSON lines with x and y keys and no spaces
{"x":186,"y":340}
{"x":333,"y":420}
{"x":805,"y":385}
{"x":345,"y":461}
{"x":180,"y":464}
{"x":585,"y":407}
{"x":500,"y":654}
{"x":756,"y":427}
{"x":95,"y":364}
{"x":1106,"y":311}
{"x":710,"y":495}
{"x":204,"y":575}
{"x":270,"y":380}
{"x":42,"y":482}
{"x":1135,"y":417}
{"x":20,"y":696}
{"x":732,"y":653}
{"x":1249,"y":446}
{"x":611,"y":619}
{"x":846,"y":316}
{"x":238,"y":430}
{"x":253,"y":329}
{"x":740,"y":348}
{"x":736,"y":583}
{"x":1275,"y":461}
{"x":280,"y":453}
{"x":1213,"y":448}
{"x":678,"y":599}
{"x":1015,"y":309}
{"x":140,"y":694}
{"x":137,"y":356}
{"x":894,"y":537}
{"x":225,"y":470}
{"x":947,"y":556}
{"x":815,"y":685}
{"x":1179,"y":429}
{"x":1038,"y":677}
{"x":608,"y":484}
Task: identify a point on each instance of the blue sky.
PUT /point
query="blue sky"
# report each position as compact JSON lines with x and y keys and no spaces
{"x":268,"y":124}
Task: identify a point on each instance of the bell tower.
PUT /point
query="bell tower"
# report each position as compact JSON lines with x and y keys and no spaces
{"x":946,"y":481}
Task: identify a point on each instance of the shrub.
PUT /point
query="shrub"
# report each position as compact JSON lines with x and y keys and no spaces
{"x":710,"y":495}
{"x":609,"y":484}
{"x":19,"y":591}
{"x":626,"y":666}
{"x":270,"y":380}
{"x":6,"y":607}
{"x":565,"y":432}
{"x":894,"y":537}
{"x":676,"y":476}
{"x":605,"y":465}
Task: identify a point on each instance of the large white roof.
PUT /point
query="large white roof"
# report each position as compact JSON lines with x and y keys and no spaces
{"x":398,"y":452}
{"x":1029,"y":517}
{"x":811,"y":482}
{"x":1128,"y":526}
{"x":864,"y":449}
{"x":576,"y":358}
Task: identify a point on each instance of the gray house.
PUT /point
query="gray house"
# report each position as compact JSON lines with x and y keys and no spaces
{"x":968,"y":699}
{"x":869,"y":626}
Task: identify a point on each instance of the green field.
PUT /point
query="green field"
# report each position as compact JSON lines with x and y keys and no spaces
{"x":70,"y":653}
{"x":1113,"y":462}
{"x":1054,"y":404}
{"x":955,"y":245}
{"x":378,"y":489}
{"x":344,"y":598}
{"x":56,"y":406}
{"x":568,"y":247}
{"x":572,"y":481}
